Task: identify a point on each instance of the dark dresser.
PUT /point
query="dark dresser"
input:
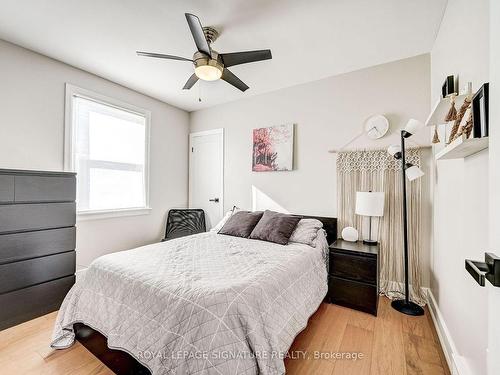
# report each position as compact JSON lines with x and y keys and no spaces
{"x":353,"y":276}
{"x":37,"y":242}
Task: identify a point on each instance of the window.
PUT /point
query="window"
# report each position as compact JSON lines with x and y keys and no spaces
{"x":107,"y":146}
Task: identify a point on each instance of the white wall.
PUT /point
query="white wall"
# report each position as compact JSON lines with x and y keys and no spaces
{"x":461,"y":190}
{"x":31,"y":137}
{"x":327,"y":113}
{"x":494,"y":163}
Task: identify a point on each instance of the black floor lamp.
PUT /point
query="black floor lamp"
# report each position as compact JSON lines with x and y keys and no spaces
{"x":412,"y":172}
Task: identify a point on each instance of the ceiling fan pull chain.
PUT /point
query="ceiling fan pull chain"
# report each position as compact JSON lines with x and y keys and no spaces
{"x":199,"y":92}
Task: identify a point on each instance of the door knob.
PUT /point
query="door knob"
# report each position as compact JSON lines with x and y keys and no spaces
{"x":487,"y":270}
{"x":216,"y":200}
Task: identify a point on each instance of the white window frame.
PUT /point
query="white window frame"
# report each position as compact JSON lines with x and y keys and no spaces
{"x":69,"y":141}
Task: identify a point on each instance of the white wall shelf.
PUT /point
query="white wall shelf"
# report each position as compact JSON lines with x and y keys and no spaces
{"x":461,"y":148}
{"x":441,"y":109}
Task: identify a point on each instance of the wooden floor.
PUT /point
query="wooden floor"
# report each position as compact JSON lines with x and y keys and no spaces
{"x":390,"y":344}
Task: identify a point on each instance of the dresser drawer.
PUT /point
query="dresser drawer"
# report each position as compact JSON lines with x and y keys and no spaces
{"x":28,"y":303}
{"x":353,"y":294}
{"x":6,"y":188}
{"x":29,"y":272}
{"x":20,"y":246}
{"x":45,"y":189}
{"x":25,"y":217}
{"x":354,"y":267}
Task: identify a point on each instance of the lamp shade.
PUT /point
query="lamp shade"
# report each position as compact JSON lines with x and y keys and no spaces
{"x":370,"y":203}
{"x":413,"y":172}
{"x":394,"y":150}
{"x":412,"y":126}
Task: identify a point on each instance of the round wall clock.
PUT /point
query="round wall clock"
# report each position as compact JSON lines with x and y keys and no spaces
{"x":376,"y":126}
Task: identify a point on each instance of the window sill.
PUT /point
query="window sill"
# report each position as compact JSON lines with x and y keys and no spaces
{"x":106,"y":214}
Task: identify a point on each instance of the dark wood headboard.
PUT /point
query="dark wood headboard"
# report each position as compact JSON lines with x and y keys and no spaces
{"x":329,"y":225}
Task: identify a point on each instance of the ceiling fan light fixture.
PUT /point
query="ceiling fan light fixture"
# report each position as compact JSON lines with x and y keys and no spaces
{"x":209,"y":71}
{"x":209,"y":65}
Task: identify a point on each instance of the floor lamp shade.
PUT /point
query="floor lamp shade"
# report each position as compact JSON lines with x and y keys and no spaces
{"x":370,"y":203}
{"x":413,"y":126}
{"x":413,"y":172}
{"x":395,"y":150}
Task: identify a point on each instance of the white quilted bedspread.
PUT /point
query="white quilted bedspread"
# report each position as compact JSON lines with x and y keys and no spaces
{"x":203,"y":304}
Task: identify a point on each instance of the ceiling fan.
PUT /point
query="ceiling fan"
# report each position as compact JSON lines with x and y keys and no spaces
{"x":209,"y":65}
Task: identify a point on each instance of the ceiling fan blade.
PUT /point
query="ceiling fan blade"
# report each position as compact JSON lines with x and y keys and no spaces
{"x":198,"y":34}
{"x":233,"y":80}
{"x":236,"y":58}
{"x":162,"y":56}
{"x":190,"y":82}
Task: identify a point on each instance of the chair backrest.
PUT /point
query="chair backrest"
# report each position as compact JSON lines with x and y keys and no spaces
{"x":184,"y":222}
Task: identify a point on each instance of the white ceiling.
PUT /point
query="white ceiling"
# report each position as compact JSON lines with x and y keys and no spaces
{"x":309,"y":39}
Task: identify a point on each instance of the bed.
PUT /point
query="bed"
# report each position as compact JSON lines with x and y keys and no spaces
{"x":202,"y":304}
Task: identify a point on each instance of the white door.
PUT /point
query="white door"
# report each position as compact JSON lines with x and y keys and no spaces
{"x":494,"y":178}
{"x":206,"y":174}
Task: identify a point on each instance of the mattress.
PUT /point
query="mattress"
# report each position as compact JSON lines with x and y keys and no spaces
{"x":202,"y":304}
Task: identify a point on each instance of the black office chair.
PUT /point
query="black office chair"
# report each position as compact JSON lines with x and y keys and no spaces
{"x":184,"y":222}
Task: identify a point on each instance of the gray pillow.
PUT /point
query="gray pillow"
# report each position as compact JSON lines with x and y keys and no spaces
{"x":306,"y":231}
{"x":241,"y":223}
{"x":275,"y":227}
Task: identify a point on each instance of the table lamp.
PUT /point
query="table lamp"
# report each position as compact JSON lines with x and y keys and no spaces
{"x":370,"y":204}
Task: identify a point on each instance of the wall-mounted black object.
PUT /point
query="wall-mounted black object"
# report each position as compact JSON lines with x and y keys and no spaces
{"x":489,"y":269}
{"x":37,"y":243}
{"x":449,"y":87}
{"x":480,"y":108}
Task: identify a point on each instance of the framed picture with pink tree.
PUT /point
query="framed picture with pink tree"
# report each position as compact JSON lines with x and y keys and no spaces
{"x":273,"y":148}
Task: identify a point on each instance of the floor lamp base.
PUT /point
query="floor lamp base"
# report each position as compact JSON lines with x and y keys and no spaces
{"x":408,"y":308}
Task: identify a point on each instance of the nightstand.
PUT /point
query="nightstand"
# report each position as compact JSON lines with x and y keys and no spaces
{"x":353,"y":275}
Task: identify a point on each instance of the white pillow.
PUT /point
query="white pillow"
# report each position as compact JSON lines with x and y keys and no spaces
{"x":306,"y":231}
{"x":321,"y":241}
{"x":226,"y":217}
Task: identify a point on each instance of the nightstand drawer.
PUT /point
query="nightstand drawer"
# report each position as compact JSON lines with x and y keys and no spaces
{"x":353,"y":294}
{"x":354,"y":267}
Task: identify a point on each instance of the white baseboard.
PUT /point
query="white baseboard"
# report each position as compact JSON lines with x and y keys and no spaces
{"x":456,"y":363}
